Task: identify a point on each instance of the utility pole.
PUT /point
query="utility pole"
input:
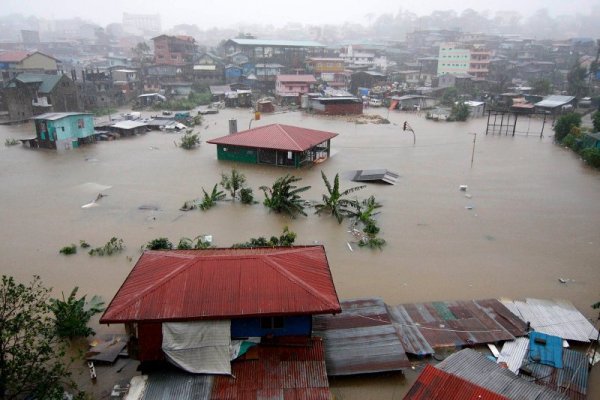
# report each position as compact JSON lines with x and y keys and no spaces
{"x":473,"y":152}
{"x":407,"y":127}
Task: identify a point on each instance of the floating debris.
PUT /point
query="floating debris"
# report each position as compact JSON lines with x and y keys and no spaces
{"x":463,"y":188}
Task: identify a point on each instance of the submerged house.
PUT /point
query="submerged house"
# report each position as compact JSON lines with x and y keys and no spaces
{"x":275,"y":144}
{"x":62,"y":131}
{"x":186,"y":306}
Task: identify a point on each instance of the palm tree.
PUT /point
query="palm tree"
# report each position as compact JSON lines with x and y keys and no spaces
{"x":233,"y":182}
{"x":334,"y":202}
{"x":283,"y":196}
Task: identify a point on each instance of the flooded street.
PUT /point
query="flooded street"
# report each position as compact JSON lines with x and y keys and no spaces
{"x":534,"y":215}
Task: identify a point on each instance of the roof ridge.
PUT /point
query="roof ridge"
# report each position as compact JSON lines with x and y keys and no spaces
{"x":172,"y":274}
{"x":294,"y":278}
{"x":281,"y":127}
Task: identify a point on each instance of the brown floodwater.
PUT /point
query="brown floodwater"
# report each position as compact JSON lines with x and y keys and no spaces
{"x":534,"y":214}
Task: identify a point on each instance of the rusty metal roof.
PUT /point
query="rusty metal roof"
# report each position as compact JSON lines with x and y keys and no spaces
{"x":177,"y":385}
{"x":554,"y":317}
{"x":435,"y":384}
{"x":277,"y":137}
{"x":478,"y":369}
{"x":361,"y":339}
{"x":455,"y":323}
{"x":277,"y":372}
{"x":224,"y":283}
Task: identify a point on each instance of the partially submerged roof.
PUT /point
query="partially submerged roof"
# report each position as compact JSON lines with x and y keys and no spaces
{"x":219,"y":89}
{"x":276,"y":43}
{"x":459,"y":323}
{"x":128,"y":124}
{"x":180,"y":285}
{"x":435,"y":384}
{"x":277,"y":137}
{"x":555,"y":101}
{"x":478,"y":369}
{"x":361,"y":339}
{"x":376,"y":175}
{"x":58,"y":115}
{"x":554,"y":317}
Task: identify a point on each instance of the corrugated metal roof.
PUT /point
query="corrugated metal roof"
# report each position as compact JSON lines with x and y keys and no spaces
{"x":554,"y":317}
{"x":513,"y":353}
{"x":453,"y":323}
{"x":276,"y":136}
{"x":296,"y":78}
{"x":412,"y":339}
{"x":545,"y":349}
{"x":369,"y":175}
{"x":554,"y":101}
{"x":128,"y":124}
{"x":177,"y":385}
{"x":47,"y":82}
{"x":57,"y":116}
{"x":281,"y":43}
{"x":277,"y":372}
{"x":478,"y":369}
{"x":13,"y":56}
{"x":218,"y":283}
{"x":435,"y":384}
{"x":361,"y":339}
{"x":571,"y":379}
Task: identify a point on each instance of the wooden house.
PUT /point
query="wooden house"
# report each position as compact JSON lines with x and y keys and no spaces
{"x":62,"y":131}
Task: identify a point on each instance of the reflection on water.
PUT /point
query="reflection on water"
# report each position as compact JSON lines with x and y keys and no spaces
{"x":533,"y":215}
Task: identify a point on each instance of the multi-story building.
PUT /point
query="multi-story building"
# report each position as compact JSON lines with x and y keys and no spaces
{"x":329,"y":70}
{"x":13,"y":63}
{"x":456,"y":58}
{"x":174,"y":50}
{"x":141,"y":24}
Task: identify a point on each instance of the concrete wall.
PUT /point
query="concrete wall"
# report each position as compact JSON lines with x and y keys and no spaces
{"x":38,"y":61}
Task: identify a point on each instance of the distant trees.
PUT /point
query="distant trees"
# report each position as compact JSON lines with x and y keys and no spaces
{"x":577,"y":81}
{"x":596,"y":121}
{"x":541,"y":87}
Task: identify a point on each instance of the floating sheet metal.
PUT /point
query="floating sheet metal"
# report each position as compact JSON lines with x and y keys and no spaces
{"x":554,"y":317}
{"x":478,"y":369}
{"x":177,"y":385}
{"x":361,"y":339}
{"x":376,"y":175}
{"x":454,"y":323}
{"x":277,"y":372}
{"x":435,"y":384}
{"x":513,"y":353}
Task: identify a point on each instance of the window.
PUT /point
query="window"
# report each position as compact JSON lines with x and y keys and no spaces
{"x":271,"y":322}
{"x":80,"y":123}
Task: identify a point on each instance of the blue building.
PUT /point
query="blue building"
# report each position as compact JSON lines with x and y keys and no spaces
{"x":63,"y":131}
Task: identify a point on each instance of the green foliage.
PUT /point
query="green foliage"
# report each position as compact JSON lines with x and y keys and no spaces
{"x":189,"y":140}
{"x":450,"y":96}
{"x":210,"y":200}
{"x":564,"y":124}
{"x":32,"y":355}
{"x":371,"y":228}
{"x":233,"y":182}
{"x":460,"y":112}
{"x":576,"y":81}
{"x":570,"y":141}
{"x":197,"y":243}
{"x":541,"y":86}
{"x":193,"y":100}
{"x":68,"y":250}
{"x":73,"y":315}
{"x":100,"y":112}
{"x":596,"y":306}
{"x":159,"y":244}
{"x":372,"y":243}
{"x":364,"y":211}
{"x":83,"y":244}
{"x":11,"y":142}
{"x":246,"y":196}
{"x":286,"y":239}
{"x":283,"y":196}
{"x":596,"y":121}
{"x":111,"y":247}
{"x":334,"y":202}
{"x":591,"y":155}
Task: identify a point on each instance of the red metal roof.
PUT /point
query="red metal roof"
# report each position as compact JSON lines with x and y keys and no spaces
{"x":277,"y":372}
{"x":296,"y":78}
{"x":434,"y":384}
{"x":13,"y":56}
{"x":224,"y":283}
{"x":277,"y":137}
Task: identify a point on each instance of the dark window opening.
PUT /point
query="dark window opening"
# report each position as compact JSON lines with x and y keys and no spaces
{"x":271,"y":322}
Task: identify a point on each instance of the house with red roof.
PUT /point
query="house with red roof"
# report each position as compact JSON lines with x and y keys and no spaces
{"x":275,"y":144}
{"x":186,"y":306}
{"x":15,"y":62}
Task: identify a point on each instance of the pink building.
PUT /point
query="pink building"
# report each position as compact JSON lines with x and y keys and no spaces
{"x":293,"y":86}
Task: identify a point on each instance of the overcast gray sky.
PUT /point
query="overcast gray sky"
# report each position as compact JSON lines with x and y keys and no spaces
{"x":207,"y":14}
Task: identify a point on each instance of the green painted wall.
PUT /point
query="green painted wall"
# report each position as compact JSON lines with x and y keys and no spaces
{"x":239,"y":154}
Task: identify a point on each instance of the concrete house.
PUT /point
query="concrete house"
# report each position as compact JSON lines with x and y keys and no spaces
{"x":291,"y":87}
{"x":13,"y":63}
{"x":32,"y":94}
{"x":63,"y":131}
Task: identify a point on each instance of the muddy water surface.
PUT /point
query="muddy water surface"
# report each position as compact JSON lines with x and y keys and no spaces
{"x":533,"y":215}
